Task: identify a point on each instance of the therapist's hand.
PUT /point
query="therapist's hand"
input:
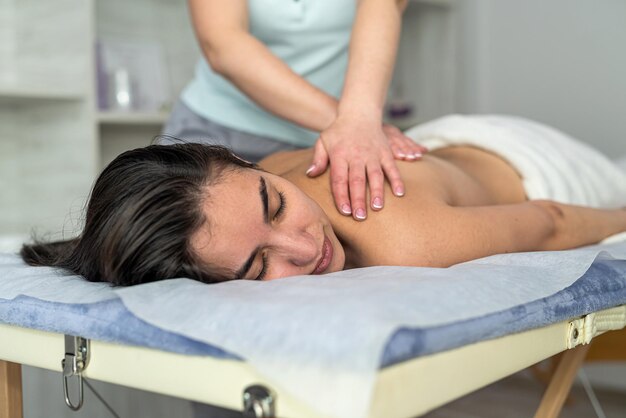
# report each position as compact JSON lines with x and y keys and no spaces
{"x":403,"y":147}
{"x":360,"y":153}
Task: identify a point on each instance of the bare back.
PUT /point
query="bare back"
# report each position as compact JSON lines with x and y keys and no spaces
{"x":449,"y":177}
{"x":460,"y":176}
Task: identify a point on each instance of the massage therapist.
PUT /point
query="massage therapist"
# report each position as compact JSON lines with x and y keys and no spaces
{"x":284,"y":74}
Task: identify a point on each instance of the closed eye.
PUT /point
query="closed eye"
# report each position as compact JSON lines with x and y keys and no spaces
{"x":263,"y":271}
{"x":279,"y":212}
{"x":281,"y":206}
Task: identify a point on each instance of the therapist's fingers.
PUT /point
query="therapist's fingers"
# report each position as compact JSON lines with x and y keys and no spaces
{"x":401,"y":151}
{"x":376,"y":184}
{"x":319,"y":164}
{"x":372,"y":176}
{"x":414,"y":147}
{"x":403,"y":147}
{"x":411,"y":150}
{"x":393,"y":176}
{"x":339,"y":184}
{"x":358,"y":184}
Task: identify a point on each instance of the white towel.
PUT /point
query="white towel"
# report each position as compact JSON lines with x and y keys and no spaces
{"x":553,"y":165}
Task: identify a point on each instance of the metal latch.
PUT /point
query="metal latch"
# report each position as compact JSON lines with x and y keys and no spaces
{"x":75,"y":362}
{"x":258,"y":402}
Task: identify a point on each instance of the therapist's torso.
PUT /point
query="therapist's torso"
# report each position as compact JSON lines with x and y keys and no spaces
{"x":311,"y":36}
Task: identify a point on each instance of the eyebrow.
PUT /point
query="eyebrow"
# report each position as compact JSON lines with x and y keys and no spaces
{"x":240,"y":274}
{"x":264,"y":199}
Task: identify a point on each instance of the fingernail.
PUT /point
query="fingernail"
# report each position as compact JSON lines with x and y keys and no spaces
{"x":345,"y":209}
{"x":399,"y":191}
{"x":310,"y":169}
{"x":360,"y":213}
{"x":417,"y":154}
{"x":401,"y":155}
{"x":377,"y":203}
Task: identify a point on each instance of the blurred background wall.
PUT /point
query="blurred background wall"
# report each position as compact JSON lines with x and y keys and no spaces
{"x":562,"y":62}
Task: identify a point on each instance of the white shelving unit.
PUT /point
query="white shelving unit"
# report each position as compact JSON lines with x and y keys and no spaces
{"x":164,"y":22}
{"x":47,"y":140}
{"x":132,"y":118}
{"x":53,"y":140}
{"x":12,"y":91}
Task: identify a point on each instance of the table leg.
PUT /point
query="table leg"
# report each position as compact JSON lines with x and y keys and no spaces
{"x":561,"y":382}
{"x":10,"y":390}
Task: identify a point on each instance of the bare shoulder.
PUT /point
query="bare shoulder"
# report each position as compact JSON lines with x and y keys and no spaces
{"x":283,"y":162}
{"x":401,"y":234}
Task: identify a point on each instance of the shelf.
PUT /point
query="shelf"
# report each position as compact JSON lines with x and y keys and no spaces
{"x":22,"y":91}
{"x":132,"y":118}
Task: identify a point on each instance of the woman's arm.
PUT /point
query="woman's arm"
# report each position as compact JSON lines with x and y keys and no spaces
{"x":575,"y":226}
{"x":439,"y":235}
{"x":222,"y":30}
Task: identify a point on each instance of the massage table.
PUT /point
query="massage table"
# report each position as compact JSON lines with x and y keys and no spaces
{"x":419,"y":364}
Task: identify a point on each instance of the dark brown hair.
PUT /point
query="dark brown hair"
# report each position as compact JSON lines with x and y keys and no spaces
{"x":143,"y":209}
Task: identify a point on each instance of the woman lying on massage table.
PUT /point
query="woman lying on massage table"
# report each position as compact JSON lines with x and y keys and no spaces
{"x":197,"y":211}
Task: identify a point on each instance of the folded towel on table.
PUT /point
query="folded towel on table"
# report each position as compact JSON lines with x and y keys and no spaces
{"x":552,"y":165}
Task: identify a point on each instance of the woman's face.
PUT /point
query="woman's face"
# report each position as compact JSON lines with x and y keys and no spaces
{"x":262,"y":227}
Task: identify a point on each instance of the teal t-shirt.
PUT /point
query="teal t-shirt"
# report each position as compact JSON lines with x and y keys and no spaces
{"x":311,"y":36}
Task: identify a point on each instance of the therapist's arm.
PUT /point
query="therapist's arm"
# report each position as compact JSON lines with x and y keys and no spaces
{"x":356,"y":143}
{"x":222,"y":30}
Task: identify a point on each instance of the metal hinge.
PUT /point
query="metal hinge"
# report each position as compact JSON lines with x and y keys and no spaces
{"x":75,"y":362}
{"x":582,"y":330}
{"x":258,"y":402}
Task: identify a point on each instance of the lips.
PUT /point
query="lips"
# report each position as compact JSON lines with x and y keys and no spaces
{"x":327,"y":256}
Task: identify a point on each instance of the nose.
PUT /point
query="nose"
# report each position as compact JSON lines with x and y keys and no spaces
{"x":298,"y":247}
